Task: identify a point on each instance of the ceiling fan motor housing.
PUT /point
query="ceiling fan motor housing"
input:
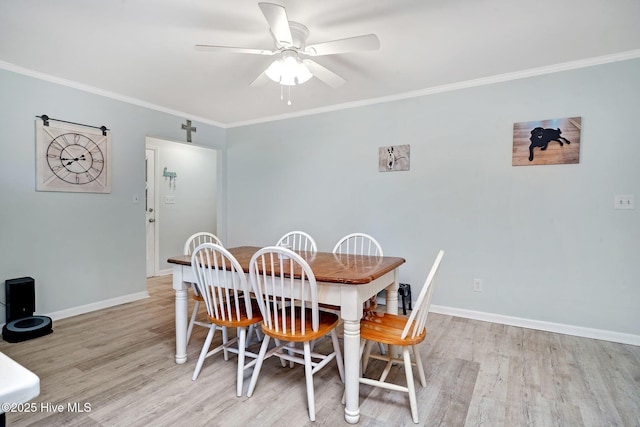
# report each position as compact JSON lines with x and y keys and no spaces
{"x":299,"y":35}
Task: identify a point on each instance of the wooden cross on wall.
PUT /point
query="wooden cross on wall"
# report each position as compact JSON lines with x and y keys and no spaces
{"x":189,"y":129}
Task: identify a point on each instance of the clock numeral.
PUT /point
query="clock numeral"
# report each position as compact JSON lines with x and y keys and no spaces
{"x":98,"y":160}
{"x":65,"y":139}
{"x":77,"y":179}
{"x":64,"y":175}
{"x":60,"y":142}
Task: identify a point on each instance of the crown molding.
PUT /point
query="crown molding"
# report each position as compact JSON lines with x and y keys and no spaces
{"x":101,"y":92}
{"x":499,"y":78}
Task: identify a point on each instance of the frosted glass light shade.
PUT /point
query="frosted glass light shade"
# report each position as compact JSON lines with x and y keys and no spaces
{"x":288,"y":71}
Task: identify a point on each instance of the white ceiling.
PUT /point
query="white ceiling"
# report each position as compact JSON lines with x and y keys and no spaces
{"x":144,"y":49}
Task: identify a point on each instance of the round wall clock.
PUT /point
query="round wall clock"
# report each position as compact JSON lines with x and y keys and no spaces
{"x":72,"y":158}
{"x":75,"y":158}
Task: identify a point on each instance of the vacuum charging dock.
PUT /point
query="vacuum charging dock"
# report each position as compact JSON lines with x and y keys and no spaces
{"x":21,"y":324}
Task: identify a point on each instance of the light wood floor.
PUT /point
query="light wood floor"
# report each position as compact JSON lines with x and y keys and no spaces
{"x":120,"y":361}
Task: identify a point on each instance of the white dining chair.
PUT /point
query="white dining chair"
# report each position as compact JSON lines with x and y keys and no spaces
{"x":222,"y":284}
{"x":190,"y":245}
{"x":358,"y":244}
{"x":395,"y":330}
{"x":361,"y":244}
{"x":298,"y":241}
{"x":287,"y":294}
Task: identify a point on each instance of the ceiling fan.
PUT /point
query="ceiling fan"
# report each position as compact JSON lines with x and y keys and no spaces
{"x":292,"y":67}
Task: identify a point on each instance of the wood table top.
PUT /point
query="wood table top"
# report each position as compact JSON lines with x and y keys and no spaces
{"x":326,"y":266}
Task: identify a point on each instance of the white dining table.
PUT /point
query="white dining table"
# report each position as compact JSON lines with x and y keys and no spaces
{"x":343,"y":280}
{"x":18,"y":385}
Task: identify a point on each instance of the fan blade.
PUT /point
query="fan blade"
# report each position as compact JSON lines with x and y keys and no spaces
{"x":324,"y":74}
{"x":260,"y":81}
{"x":351,"y":44}
{"x":235,"y":49}
{"x":276,"y":16}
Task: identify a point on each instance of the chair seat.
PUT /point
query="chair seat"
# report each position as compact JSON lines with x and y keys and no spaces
{"x":387,"y":329}
{"x":328,"y":321}
{"x":242,"y":320}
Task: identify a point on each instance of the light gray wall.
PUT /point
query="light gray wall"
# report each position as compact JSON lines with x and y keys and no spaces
{"x":546,"y":239}
{"x":80,"y":248}
{"x":194,"y":195}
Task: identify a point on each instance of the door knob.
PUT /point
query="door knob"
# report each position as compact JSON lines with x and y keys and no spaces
{"x":152,"y":220}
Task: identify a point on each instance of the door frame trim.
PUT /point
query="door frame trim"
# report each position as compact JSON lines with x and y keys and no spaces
{"x":156,"y":210}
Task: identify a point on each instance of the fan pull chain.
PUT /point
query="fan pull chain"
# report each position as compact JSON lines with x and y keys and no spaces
{"x":288,"y":94}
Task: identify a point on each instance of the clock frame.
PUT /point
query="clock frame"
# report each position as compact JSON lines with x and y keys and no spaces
{"x":72,"y":158}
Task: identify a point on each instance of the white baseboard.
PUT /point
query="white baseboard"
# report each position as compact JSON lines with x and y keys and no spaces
{"x":74,"y":311}
{"x":165,"y":272}
{"x":578,"y":331}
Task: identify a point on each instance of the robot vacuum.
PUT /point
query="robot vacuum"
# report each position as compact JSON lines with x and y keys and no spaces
{"x":21,"y":324}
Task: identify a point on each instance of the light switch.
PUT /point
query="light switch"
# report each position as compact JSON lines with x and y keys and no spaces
{"x":169,"y":200}
{"x":624,"y":201}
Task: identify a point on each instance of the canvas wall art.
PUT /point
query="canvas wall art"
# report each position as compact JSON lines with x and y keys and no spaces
{"x":393,"y":158}
{"x":547,"y":142}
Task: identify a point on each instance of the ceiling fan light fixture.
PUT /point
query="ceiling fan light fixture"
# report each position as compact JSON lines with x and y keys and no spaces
{"x":288,"y":70}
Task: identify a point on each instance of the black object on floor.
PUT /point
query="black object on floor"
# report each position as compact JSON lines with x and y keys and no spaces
{"x":21,"y":324}
{"x":404,"y":292}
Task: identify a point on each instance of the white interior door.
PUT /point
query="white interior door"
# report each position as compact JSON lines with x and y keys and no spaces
{"x":150,"y":208}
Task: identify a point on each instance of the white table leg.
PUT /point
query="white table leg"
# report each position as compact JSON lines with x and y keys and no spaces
{"x":351,"y":312}
{"x":392,"y":295}
{"x":352,"y":370}
{"x":181,"y":314}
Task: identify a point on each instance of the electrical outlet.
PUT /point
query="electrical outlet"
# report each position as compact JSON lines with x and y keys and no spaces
{"x":477,"y":285}
{"x":624,"y":201}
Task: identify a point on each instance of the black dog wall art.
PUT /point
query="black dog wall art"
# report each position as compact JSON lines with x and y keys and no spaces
{"x":547,"y":142}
